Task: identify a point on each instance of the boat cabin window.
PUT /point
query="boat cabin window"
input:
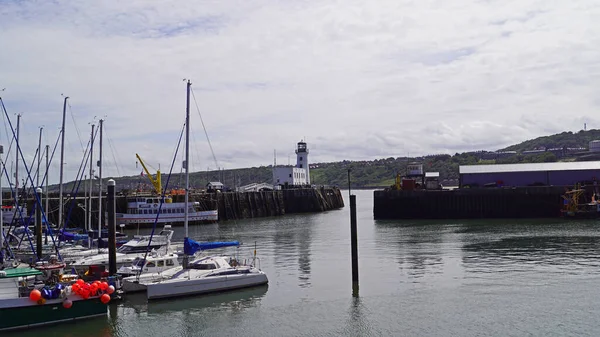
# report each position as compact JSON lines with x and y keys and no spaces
{"x":170,"y":263}
{"x":150,"y":265}
{"x":148,"y":201}
{"x":138,"y":262}
{"x":137,"y":249}
{"x":160,"y":263}
{"x":204,"y":266}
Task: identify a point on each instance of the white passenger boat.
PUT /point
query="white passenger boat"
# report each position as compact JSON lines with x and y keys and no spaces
{"x":144,"y":210}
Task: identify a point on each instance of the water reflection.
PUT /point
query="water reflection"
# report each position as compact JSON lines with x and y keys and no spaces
{"x":417,"y":245}
{"x":357,"y":323}
{"x":305,"y":241}
{"x":235,"y":300}
{"x":292,"y":242}
{"x":562,"y":253}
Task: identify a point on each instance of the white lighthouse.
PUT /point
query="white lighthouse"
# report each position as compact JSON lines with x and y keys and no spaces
{"x":295,"y":175}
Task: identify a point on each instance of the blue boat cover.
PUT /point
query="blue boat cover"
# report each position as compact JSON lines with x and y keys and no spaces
{"x":190,"y":246}
{"x":71,"y":236}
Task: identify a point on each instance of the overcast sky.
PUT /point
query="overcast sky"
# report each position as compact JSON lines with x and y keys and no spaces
{"x":356,"y":79}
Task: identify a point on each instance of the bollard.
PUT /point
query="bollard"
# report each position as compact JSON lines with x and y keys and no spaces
{"x":112,"y":228}
{"x":38,"y":224}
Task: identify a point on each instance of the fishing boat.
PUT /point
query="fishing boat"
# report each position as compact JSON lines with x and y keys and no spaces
{"x":21,"y":308}
{"x":575,"y":207}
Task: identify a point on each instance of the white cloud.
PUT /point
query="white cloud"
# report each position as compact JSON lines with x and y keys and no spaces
{"x":358,"y":79}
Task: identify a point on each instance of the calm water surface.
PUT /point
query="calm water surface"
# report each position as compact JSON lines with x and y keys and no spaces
{"x":417,"y":278}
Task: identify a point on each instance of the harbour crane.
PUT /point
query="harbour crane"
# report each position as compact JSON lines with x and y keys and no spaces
{"x":155,"y":181}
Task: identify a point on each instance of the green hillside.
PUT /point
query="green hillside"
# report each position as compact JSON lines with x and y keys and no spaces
{"x":381,"y":172}
{"x":565,"y":139}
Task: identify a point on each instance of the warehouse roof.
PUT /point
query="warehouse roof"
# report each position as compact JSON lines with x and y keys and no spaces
{"x":530,"y":167}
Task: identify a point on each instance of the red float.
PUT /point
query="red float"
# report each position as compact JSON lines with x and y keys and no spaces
{"x":35,"y":295}
{"x":105,"y":298}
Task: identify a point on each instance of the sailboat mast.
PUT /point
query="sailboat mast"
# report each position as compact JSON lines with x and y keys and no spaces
{"x":37,"y":182}
{"x":187,"y":171}
{"x":187,"y":157}
{"x":46,"y":179}
{"x":62,"y":162}
{"x":88,"y":208}
{"x":100,"y":185}
{"x":17,"y":162}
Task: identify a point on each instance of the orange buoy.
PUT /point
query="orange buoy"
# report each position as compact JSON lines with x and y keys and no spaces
{"x":35,"y":295}
{"x":103,"y":286}
{"x":110,"y":290}
{"x":67,"y":304}
{"x":105,"y":298}
{"x":80,"y":282}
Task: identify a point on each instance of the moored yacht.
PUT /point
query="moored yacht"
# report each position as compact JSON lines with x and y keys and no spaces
{"x":136,"y":247}
{"x":138,"y":281}
{"x":152,"y":264}
{"x":206,"y":275}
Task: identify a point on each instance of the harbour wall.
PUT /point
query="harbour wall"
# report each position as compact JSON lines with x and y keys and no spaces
{"x":518,"y":202}
{"x":238,"y":205}
{"x":231,"y":205}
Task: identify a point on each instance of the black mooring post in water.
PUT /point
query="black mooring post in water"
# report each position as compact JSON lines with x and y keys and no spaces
{"x":112,"y":227}
{"x":349,"y":190}
{"x":38,"y":224}
{"x":353,"y":240}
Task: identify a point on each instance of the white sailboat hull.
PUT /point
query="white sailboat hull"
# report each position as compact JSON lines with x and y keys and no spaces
{"x":133,"y":286}
{"x":183,"y":287}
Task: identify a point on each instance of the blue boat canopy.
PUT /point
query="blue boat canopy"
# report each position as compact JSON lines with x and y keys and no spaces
{"x":71,"y":236}
{"x":190,"y":246}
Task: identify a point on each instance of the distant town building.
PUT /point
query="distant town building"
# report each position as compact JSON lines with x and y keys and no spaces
{"x":529,"y":174}
{"x":214,"y":186}
{"x":595,"y":146}
{"x":296,"y":175}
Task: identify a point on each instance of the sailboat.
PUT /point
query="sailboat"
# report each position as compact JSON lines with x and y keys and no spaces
{"x":205,"y":274}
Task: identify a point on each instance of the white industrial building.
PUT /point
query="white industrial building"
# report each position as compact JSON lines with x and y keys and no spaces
{"x":295,"y":175}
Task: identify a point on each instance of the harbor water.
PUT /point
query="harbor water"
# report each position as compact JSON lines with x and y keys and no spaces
{"x":417,"y":278}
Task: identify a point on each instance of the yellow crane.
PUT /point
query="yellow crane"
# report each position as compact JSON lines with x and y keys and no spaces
{"x":155,"y":181}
